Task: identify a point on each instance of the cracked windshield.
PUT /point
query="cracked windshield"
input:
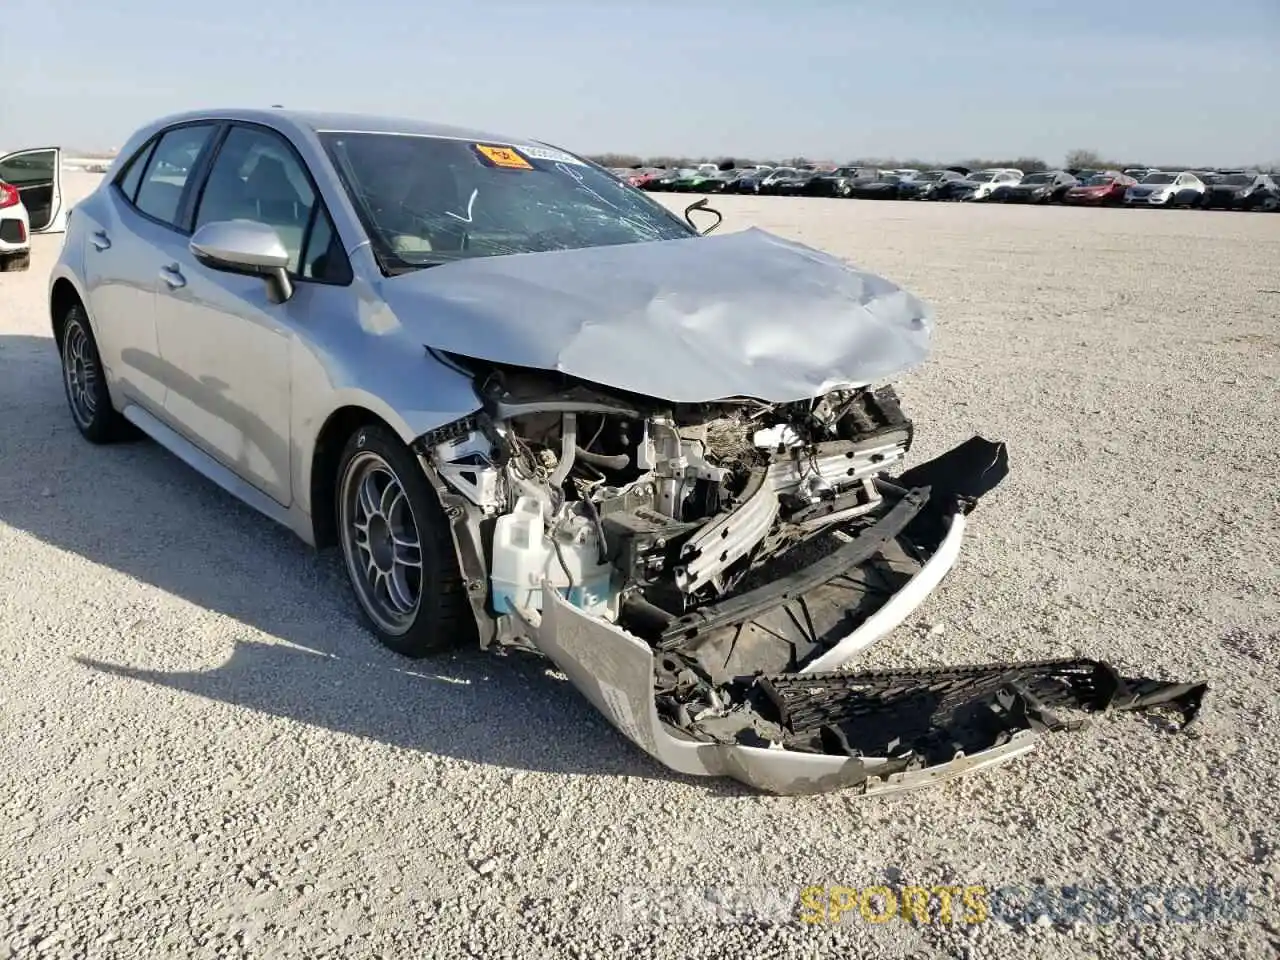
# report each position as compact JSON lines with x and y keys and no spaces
{"x":427,"y":200}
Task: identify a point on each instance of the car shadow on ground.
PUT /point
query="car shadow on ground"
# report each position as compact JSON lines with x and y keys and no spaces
{"x":136,"y":509}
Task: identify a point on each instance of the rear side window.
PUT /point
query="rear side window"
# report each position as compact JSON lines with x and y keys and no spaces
{"x":128,"y":184}
{"x":171,"y":164}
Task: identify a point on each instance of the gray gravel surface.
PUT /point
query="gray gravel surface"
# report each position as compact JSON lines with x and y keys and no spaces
{"x":207,"y":756}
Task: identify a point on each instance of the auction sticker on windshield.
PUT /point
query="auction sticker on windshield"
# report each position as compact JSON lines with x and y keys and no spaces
{"x":507,"y":157}
{"x":550,"y":155}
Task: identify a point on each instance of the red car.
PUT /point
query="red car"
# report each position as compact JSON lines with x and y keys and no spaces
{"x":640,"y":178}
{"x":1101,"y":189}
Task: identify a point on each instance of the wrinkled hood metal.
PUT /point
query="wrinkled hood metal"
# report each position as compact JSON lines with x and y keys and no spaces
{"x":691,"y":320}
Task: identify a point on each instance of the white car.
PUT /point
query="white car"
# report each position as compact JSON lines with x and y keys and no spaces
{"x":988,"y":180}
{"x":30,"y":202}
{"x":1160,"y":189}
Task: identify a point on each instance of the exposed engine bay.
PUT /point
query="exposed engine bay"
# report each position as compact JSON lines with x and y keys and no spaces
{"x":723,"y":552}
{"x":642,"y":513}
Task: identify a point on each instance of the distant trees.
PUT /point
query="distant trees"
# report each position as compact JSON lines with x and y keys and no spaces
{"x":1089,"y":160}
{"x":617,"y":160}
{"x":1025,"y":164}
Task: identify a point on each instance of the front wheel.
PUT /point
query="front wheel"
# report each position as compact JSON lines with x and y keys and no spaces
{"x":397,"y":547}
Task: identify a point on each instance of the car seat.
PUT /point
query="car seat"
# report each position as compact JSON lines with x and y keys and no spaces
{"x":422,"y":221}
{"x":274,"y":200}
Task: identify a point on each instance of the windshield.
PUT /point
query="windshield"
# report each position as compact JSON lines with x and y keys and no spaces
{"x":931,"y":175}
{"x":1237,"y":179}
{"x":981,"y":177}
{"x":425,"y":200}
{"x":1158,"y":178}
{"x":1038,"y":178}
{"x":1101,"y":180}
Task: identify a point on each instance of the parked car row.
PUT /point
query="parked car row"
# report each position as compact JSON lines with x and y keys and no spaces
{"x":31,"y":193}
{"x":1134,"y":187}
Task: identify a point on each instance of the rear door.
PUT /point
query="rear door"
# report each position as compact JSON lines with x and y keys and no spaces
{"x":37,"y":173}
{"x":127,"y":226}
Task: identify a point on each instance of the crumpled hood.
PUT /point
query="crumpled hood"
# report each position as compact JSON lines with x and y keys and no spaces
{"x":690,"y":320}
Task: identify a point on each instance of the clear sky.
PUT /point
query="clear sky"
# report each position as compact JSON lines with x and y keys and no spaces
{"x":1170,"y":81}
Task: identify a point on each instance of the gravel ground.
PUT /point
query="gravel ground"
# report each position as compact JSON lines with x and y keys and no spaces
{"x":210,"y":757}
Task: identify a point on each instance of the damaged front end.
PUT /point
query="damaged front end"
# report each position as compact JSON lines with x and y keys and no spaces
{"x":699,"y":570}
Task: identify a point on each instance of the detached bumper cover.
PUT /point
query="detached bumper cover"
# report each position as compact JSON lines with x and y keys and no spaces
{"x":871,"y":733}
{"x":803,"y":729}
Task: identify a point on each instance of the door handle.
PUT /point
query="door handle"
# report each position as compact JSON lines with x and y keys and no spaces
{"x":100,"y":240}
{"x":172,"y":275}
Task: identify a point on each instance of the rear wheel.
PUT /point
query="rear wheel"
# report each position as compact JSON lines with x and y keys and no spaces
{"x":84,"y":382}
{"x":15,"y":262}
{"x":397,"y":547}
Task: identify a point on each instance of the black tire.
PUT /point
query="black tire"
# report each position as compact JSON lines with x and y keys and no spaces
{"x":13,"y":263}
{"x":85,"y":384}
{"x":441,"y":617}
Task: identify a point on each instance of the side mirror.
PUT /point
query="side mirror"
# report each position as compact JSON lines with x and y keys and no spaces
{"x":247,"y":248}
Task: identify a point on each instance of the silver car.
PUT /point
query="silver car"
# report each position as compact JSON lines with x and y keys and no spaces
{"x":535,"y":409}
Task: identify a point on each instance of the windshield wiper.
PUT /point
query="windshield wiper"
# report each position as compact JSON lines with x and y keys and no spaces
{"x":404,"y":266}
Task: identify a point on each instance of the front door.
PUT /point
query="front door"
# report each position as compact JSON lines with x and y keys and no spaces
{"x":37,"y":174}
{"x":231,"y":344}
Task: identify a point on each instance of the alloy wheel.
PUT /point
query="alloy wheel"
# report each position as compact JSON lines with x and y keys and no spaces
{"x":80,"y":373}
{"x":381,"y":542}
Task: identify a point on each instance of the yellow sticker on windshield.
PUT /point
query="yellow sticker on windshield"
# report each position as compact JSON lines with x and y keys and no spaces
{"x":504,"y":157}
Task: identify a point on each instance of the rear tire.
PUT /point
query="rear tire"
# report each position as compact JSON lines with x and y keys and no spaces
{"x":85,"y":383}
{"x":397,"y":547}
{"x":14,"y":263}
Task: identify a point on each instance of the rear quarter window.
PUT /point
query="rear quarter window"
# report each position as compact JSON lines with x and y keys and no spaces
{"x":132,"y":175}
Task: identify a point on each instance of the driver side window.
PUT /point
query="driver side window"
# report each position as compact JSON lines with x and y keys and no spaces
{"x":255,"y":176}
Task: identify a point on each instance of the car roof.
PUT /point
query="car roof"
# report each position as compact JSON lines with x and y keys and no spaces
{"x":323,"y":121}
